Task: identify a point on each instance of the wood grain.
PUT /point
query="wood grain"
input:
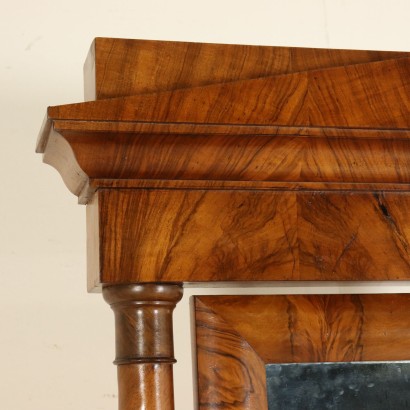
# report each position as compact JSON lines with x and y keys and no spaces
{"x":261,"y":114}
{"x":124,"y":67}
{"x":344,"y":124}
{"x":210,"y":235}
{"x":241,"y":158}
{"x":143,"y":320}
{"x":291,"y":329}
{"x":83,"y":158}
{"x":145,"y":386}
{"x":215,"y":163}
{"x":372,"y":95}
{"x":144,"y":343}
{"x":231,"y":375}
{"x":249,"y":185}
{"x":318,"y":328}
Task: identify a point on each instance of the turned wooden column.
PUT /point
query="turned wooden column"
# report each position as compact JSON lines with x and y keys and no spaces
{"x":144,"y":343}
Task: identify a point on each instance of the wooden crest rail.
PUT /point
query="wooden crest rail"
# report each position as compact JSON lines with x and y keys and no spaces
{"x":222,"y":163}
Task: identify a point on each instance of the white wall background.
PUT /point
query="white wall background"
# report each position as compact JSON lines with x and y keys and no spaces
{"x":57,"y":342}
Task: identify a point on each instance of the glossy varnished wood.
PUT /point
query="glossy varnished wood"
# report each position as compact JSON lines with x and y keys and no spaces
{"x":239,"y":235}
{"x":237,"y":333}
{"x":144,"y":343}
{"x":204,"y":163}
{"x":120,"y":67}
{"x":242,"y":158}
{"x":339,"y":124}
{"x":215,"y":163}
{"x":361,"y":96}
{"x":230,"y":374}
{"x":255,"y":159}
{"x":145,"y":386}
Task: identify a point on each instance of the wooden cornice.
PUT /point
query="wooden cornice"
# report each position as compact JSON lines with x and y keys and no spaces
{"x":251,"y":172}
{"x":332,"y":126}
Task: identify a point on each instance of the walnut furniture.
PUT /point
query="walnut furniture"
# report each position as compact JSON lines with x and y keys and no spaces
{"x":237,"y":336}
{"x":210,"y":163}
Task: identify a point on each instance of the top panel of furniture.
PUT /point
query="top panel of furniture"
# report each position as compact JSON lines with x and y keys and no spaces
{"x":210,"y":162}
{"x":121,"y":68}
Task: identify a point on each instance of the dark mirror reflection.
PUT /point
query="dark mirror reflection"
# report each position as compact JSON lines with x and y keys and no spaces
{"x":339,"y":386}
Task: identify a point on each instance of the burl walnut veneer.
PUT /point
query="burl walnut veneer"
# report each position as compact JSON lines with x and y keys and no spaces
{"x":236,"y":336}
{"x":208,"y":163}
